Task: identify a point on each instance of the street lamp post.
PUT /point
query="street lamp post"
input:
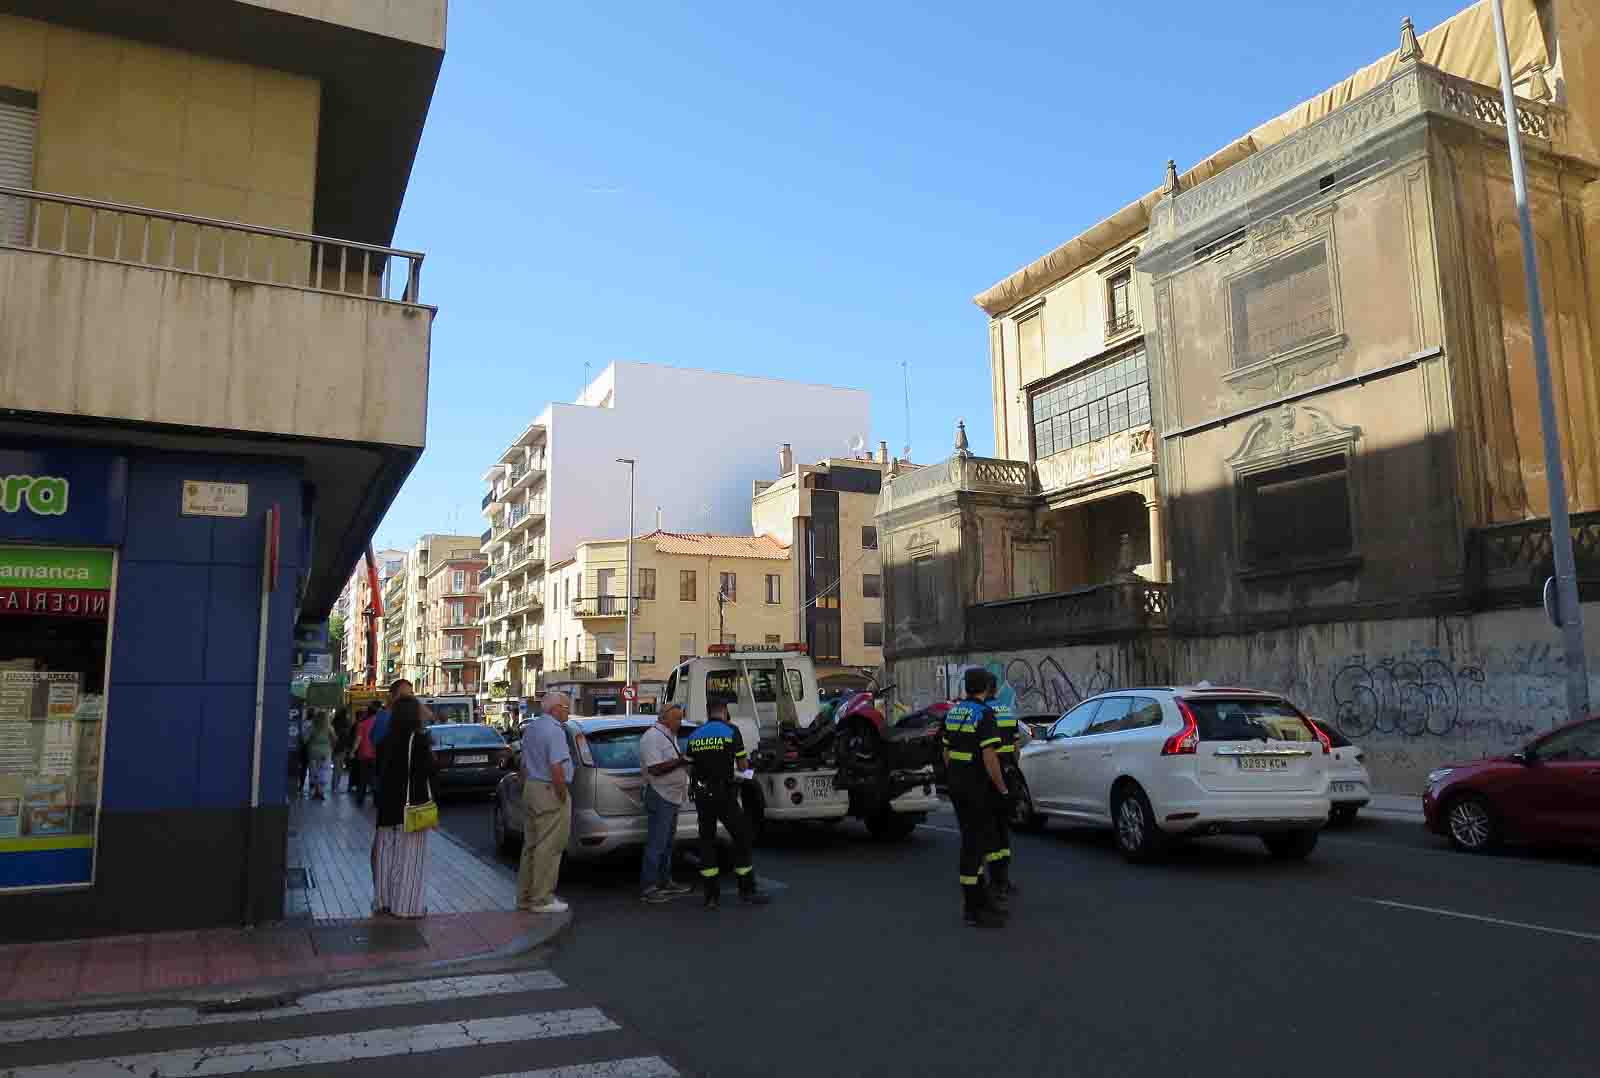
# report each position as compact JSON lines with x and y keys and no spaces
{"x":627,"y":597}
{"x":1566,"y":613}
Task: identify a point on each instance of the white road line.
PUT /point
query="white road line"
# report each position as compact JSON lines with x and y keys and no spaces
{"x":936,"y":827}
{"x":1595,"y":936}
{"x":442,"y":990}
{"x":638,"y":1067}
{"x":333,"y":1048}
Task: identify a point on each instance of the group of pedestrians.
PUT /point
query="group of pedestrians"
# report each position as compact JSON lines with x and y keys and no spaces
{"x":707,"y":771}
{"x":980,"y":759}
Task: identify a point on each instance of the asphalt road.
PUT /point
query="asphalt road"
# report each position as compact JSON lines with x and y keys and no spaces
{"x":1385,"y":953}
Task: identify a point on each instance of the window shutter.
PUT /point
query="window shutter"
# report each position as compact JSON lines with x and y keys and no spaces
{"x":19,"y":127}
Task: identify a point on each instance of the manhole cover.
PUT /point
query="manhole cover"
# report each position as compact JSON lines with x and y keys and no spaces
{"x":375,"y":938}
{"x":298,"y":879}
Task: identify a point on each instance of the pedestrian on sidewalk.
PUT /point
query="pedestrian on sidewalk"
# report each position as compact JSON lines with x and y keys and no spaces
{"x":666,"y":788}
{"x":302,"y":757}
{"x":400,"y":857}
{"x":399,"y":690}
{"x":344,"y":741}
{"x":319,"y":753}
{"x":365,"y":757}
{"x":547,"y":819}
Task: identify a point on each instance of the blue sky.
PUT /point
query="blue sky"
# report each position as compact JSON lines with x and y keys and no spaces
{"x":808,"y":191}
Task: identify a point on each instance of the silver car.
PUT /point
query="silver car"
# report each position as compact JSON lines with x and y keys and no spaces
{"x":607,"y":791}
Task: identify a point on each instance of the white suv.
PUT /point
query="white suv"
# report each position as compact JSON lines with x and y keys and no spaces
{"x":1165,"y":763}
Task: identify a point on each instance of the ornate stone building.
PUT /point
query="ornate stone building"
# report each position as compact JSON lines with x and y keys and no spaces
{"x":1338,"y":490}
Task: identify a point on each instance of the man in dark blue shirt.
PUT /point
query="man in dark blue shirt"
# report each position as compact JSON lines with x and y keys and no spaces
{"x":716,"y":751}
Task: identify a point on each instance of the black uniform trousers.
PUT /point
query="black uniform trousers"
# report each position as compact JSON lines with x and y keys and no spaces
{"x":974,"y":801}
{"x":998,"y":858}
{"x":720,"y":804}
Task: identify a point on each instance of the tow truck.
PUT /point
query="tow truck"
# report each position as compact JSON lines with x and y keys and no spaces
{"x":806,"y":765}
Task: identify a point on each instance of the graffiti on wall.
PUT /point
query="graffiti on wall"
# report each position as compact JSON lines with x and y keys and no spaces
{"x":1400,"y":696}
{"x":1044,"y":687}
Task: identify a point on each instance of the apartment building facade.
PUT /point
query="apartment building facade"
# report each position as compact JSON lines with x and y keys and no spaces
{"x":560,"y":482}
{"x":354,"y":603}
{"x":1342,"y":474}
{"x":197,"y":203}
{"x":826,"y":515}
{"x":690,"y":591}
{"x":450,"y":621}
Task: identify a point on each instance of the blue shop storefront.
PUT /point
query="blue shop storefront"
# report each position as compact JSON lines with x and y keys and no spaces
{"x":140,"y":779}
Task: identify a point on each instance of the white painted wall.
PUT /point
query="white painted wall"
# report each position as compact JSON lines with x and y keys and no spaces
{"x":701,"y":439}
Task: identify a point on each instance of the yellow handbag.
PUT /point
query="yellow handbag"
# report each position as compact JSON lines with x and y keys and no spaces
{"x":423,"y":817}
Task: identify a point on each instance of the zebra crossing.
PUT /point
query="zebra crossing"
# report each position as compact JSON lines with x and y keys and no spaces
{"x":527,"y":1024}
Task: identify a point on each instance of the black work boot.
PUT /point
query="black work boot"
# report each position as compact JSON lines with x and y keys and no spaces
{"x":977,"y":913}
{"x":1000,"y":889}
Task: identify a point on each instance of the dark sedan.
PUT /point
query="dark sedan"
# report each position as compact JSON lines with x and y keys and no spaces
{"x":473,"y":758}
{"x":1547,"y":793}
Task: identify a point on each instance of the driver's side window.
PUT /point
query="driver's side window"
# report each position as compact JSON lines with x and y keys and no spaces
{"x":1074,"y":722}
{"x":1577,"y":744}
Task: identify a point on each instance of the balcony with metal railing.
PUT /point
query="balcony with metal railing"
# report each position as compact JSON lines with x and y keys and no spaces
{"x":600,"y":606}
{"x":268,"y":333}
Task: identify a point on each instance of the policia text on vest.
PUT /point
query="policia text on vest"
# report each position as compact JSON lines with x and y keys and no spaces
{"x":714,"y":751}
{"x":977,"y":786}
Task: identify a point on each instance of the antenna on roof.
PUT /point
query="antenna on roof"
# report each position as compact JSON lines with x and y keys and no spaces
{"x":905,"y":376}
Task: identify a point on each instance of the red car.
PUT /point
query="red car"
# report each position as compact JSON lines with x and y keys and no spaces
{"x":1547,"y":793}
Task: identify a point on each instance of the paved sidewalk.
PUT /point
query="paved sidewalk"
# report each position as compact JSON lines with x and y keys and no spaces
{"x":330,"y":871}
{"x":1395,"y":807}
{"x":472,"y":915}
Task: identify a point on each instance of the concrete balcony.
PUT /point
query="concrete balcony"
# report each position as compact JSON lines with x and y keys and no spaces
{"x":170,"y":327}
{"x":1106,"y":612}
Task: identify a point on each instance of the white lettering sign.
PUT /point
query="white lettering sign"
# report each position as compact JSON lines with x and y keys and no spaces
{"x":206,"y":499}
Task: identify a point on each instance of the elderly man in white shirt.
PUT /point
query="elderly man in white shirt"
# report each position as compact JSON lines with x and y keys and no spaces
{"x":666,"y":771}
{"x":546,"y":773}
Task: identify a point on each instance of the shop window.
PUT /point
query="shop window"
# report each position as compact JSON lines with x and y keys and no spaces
{"x":1299,"y":512}
{"x":54,"y":616}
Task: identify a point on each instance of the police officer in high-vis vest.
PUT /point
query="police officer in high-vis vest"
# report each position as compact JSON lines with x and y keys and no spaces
{"x":998,"y":861}
{"x":716,"y":751}
{"x":975,"y":780}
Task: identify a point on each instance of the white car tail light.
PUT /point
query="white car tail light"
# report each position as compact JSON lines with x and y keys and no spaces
{"x":1185,"y":742}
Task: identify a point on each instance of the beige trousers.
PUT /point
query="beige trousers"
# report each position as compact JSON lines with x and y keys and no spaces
{"x":547,"y":823}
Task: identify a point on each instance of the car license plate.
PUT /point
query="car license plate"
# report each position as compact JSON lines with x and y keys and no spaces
{"x":819,"y":786}
{"x":1344,"y":787}
{"x":472,"y":759}
{"x":1262,"y":763}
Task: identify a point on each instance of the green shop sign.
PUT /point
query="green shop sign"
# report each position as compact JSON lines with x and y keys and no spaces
{"x":41,"y":495}
{"x":54,"y":567}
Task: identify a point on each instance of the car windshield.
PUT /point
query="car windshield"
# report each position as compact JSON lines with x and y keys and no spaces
{"x":466,"y":737}
{"x":453,"y":711}
{"x":1248,"y":720}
